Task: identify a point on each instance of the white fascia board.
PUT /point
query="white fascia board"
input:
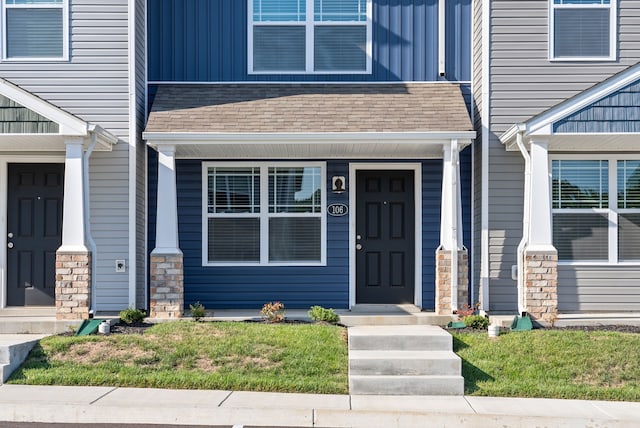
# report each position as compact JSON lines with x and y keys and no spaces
{"x":69,"y":124}
{"x":103,"y":137}
{"x":542,"y":124}
{"x":163,"y":138}
{"x":508,"y":137}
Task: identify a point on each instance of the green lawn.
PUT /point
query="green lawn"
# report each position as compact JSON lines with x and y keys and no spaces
{"x":187,"y":354}
{"x":553,"y":364}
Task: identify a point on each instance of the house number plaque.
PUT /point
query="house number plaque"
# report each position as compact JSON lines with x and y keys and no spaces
{"x":337,"y":210}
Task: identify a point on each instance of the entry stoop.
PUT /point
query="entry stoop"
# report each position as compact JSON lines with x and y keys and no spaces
{"x":403,"y":360}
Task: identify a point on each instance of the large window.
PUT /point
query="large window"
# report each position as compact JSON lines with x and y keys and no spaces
{"x":590,"y":223}
{"x":35,"y":29}
{"x":264,"y":214}
{"x":309,"y":36}
{"x":582,"y":29}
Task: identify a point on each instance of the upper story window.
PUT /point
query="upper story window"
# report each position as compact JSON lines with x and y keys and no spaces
{"x":35,"y":29}
{"x":582,"y":30}
{"x":309,"y":36}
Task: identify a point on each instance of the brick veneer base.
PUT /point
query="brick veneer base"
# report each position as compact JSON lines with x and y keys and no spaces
{"x":167,"y":286}
{"x":541,"y":285}
{"x":73,"y":285}
{"x":443,"y":281}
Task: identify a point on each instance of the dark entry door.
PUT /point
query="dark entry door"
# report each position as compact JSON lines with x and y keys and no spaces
{"x":34,"y":232}
{"x":385,"y":241}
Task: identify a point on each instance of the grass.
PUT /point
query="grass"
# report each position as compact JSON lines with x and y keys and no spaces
{"x":189,"y":355}
{"x":553,"y":364}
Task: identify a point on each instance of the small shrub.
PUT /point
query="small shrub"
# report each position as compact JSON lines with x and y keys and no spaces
{"x":197,"y":311}
{"x":467,"y":310}
{"x":273,"y":312}
{"x":477,"y":322}
{"x":318,"y":313}
{"x":131,"y":315}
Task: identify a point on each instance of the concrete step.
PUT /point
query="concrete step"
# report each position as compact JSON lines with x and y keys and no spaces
{"x":406,"y":385}
{"x":36,"y":325}
{"x":414,"y":363}
{"x":399,"y":338}
{"x":13,"y":351}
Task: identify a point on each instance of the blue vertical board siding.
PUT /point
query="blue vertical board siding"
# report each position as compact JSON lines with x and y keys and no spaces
{"x":206,"y":41}
{"x":299,"y":286}
{"x":616,"y":113}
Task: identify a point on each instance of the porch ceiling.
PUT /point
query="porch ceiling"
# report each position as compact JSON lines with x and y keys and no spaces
{"x":410,"y":120}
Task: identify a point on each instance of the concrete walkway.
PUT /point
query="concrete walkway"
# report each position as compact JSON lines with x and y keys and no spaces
{"x":65,"y":404}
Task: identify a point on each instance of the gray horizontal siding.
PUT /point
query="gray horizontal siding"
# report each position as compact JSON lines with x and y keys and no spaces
{"x":598,"y":288}
{"x":93,"y":85}
{"x":525,"y":83}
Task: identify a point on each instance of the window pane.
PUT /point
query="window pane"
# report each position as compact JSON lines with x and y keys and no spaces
{"x":629,"y":237}
{"x":294,"y":239}
{"x":279,"y":48}
{"x":581,"y":237}
{"x":580,"y":184}
{"x":294,"y":190}
{"x":234,"y":239}
{"x":234,"y":190}
{"x":35,"y":33}
{"x":340,"y":48}
{"x":279,"y":10}
{"x":628,"y":184}
{"x":340,"y":10}
{"x":581,"y":32}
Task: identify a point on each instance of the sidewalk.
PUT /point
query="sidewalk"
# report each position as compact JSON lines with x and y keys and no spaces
{"x":19,"y":403}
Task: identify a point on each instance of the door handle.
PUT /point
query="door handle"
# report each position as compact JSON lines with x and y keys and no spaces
{"x":10,"y":245}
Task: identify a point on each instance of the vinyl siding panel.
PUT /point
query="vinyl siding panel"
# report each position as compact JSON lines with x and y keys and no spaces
{"x":93,"y":85}
{"x":206,"y":41}
{"x":523,"y":84}
{"x":598,"y":288}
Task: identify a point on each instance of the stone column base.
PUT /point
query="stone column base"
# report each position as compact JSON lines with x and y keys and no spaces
{"x":73,"y":285}
{"x":167,"y":286}
{"x":541,"y":285}
{"x":443,"y":281}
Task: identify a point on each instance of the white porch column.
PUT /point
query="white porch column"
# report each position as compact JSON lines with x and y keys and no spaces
{"x":73,"y":212}
{"x":540,"y":236}
{"x":167,"y":272}
{"x":451,"y":266}
{"x":167,"y":205}
{"x":540,"y":256}
{"x":73,"y":258}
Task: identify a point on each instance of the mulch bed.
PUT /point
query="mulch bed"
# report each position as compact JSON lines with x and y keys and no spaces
{"x":587,"y":328}
{"x":134,"y":328}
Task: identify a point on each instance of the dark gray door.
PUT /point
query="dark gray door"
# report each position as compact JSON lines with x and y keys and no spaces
{"x":385,"y":241}
{"x":34,"y":232}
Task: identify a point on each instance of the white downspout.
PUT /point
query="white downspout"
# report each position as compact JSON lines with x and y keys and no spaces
{"x":525,"y":221}
{"x":91,"y":244}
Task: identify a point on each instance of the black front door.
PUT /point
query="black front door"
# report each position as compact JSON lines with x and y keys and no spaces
{"x":34,"y":232}
{"x":385,"y":241}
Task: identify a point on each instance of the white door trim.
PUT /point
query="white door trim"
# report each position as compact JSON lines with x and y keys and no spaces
{"x":4,"y":171}
{"x":417,"y":177}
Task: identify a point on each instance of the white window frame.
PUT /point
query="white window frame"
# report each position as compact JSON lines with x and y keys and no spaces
{"x":612,"y":211}
{"x":264,"y":214}
{"x":65,"y":30}
{"x":309,"y":25}
{"x":613,"y":30}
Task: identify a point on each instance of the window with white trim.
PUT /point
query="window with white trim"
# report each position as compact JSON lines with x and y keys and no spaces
{"x":590,"y":223}
{"x":264,"y":214}
{"x":35,"y":29}
{"x":309,"y":36}
{"x":582,"y":29}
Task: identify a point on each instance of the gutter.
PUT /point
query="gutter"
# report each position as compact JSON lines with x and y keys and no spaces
{"x":87,"y":218}
{"x":526,"y":219}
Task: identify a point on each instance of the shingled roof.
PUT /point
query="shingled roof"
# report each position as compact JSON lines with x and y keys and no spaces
{"x":308,"y":108}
